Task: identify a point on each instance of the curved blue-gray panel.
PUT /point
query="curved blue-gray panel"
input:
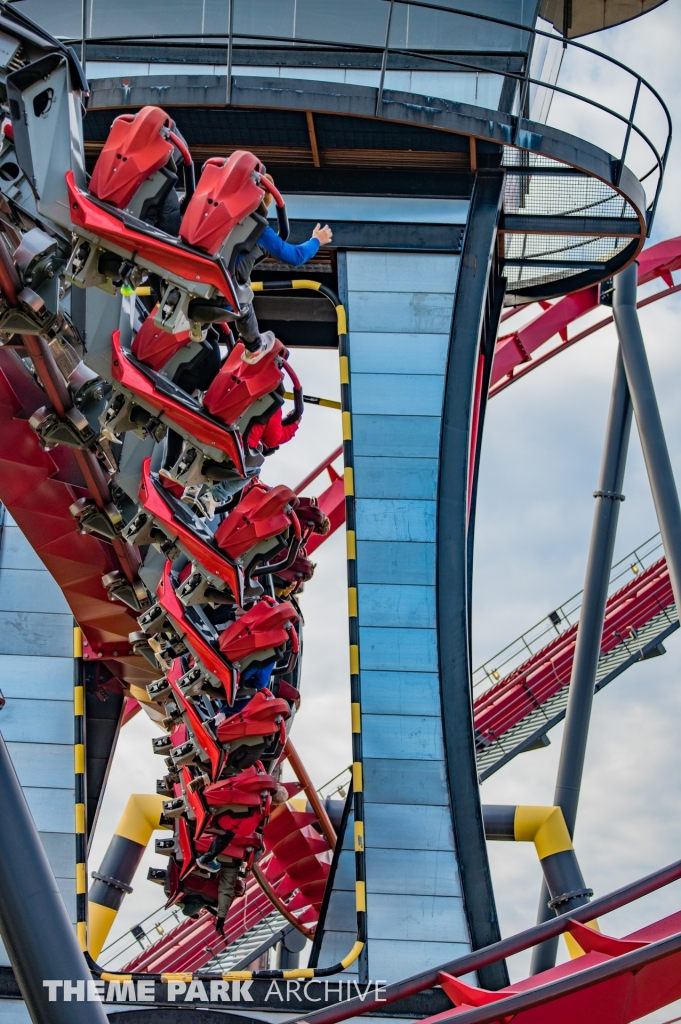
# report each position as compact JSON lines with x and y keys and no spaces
{"x":417,"y":322}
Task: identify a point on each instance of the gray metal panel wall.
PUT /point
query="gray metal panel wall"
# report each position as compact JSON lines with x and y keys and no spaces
{"x":400,"y":309}
{"x":36,"y":678}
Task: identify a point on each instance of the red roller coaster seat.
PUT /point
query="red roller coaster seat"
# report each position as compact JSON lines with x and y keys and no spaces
{"x":135,"y":149}
{"x":226,"y":194}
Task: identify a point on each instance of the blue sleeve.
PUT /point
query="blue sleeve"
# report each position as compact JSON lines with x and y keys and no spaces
{"x":296,"y":255}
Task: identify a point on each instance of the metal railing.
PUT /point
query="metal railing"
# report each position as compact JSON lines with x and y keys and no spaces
{"x":337,"y":786}
{"x":142,"y":935}
{"x":560,"y":619}
{"x":447,"y":61}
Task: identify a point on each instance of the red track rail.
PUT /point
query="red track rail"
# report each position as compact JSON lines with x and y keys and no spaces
{"x":514,"y":351}
{"x":37,"y":488}
{"x":615,"y":984}
{"x":533,"y":683}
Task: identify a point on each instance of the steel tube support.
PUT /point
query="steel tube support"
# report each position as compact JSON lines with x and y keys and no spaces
{"x":590,"y":631}
{"x":34,"y":925}
{"x":649,"y":423}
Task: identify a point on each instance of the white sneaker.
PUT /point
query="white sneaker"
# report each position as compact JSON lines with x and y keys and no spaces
{"x":266,"y":345}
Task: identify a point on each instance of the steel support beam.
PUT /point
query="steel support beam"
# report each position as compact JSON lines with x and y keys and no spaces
{"x":453,"y":590}
{"x":590,"y":630}
{"x":649,"y":423}
{"x":34,"y":925}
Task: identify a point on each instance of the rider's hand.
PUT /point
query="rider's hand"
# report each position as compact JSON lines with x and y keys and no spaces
{"x":324,"y":234}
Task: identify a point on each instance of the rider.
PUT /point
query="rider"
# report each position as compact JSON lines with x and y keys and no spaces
{"x":230,"y":884}
{"x":295,"y":255}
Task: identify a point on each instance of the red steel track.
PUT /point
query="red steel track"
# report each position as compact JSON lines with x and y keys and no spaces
{"x":533,"y":683}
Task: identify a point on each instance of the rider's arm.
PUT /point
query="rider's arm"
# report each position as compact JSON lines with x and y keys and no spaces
{"x":295,"y":255}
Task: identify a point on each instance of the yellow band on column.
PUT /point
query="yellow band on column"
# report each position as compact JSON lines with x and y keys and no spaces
{"x":357,"y":778}
{"x":359,"y":836}
{"x":81,"y":879}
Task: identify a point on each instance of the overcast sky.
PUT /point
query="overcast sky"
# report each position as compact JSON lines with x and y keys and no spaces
{"x":540,"y":464}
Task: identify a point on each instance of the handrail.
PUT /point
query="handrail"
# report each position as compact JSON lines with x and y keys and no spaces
{"x":524,"y":76}
{"x":562,"y":611}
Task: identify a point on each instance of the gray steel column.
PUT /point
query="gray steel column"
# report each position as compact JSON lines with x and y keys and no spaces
{"x":35,"y":928}
{"x":590,"y":631}
{"x":649,"y":424}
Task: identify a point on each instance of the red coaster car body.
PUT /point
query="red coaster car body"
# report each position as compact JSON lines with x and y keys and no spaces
{"x":225,"y":195}
{"x":155,"y":347}
{"x":134,"y":150}
{"x":197,"y":542}
{"x":195,"y":801}
{"x":238,"y":384}
{"x":210,"y":658}
{"x":200,"y":731}
{"x":262,"y":513}
{"x":249,"y":788}
{"x":150,"y":248}
{"x":261,"y":628}
{"x":242,"y":823}
{"x":155,"y":392}
{"x":263,"y":716}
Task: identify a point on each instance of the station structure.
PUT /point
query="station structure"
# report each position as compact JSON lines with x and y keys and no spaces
{"x":155,"y":162}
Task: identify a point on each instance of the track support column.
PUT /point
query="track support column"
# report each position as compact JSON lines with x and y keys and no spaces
{"x":649,"y":423}
{"x":590,"y":631}
{"x":34,"y":925}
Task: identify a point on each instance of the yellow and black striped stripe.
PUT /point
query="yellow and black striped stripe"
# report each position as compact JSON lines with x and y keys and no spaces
{"x":355,"y":691}
{"x":327,"y":403}
{"x":80,"y":797}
